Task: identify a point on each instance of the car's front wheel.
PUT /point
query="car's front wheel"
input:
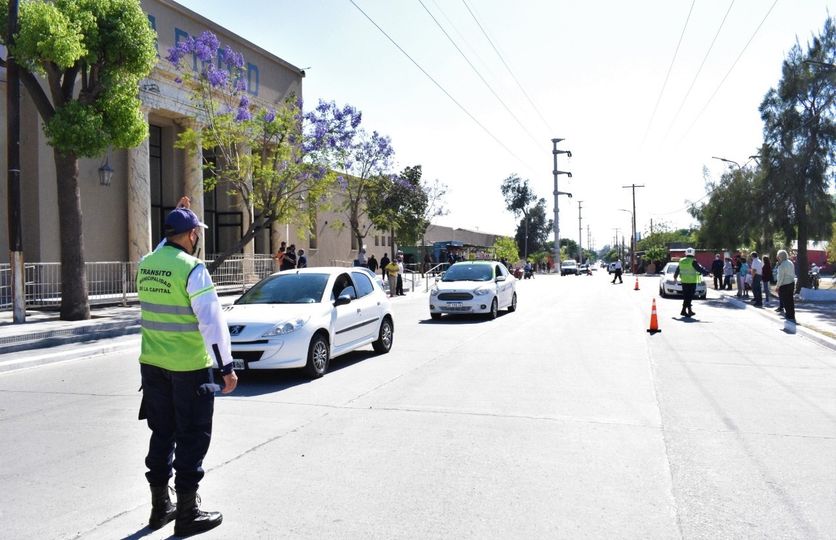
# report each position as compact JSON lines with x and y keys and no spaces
{"x":384,"y":337}
{"x":435,"y":316}
{"x":513,"y":306}
{"x":494,"y":309}
{"x":318,"y":357}
{"x":662,"y":292}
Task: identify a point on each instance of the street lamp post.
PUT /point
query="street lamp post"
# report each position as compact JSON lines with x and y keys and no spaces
{"x":729,"y":161}
{"x":632,"y":246}
{"x":557,"y":193}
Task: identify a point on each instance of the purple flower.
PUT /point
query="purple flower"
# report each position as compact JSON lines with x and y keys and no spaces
{"x":342,"y":182}
{"x":240,"y":85}
{"x":178,"y":80}
{"x":243,"y":114}
{"x":216,"y":77}
{"x":244,"y":103}
{"x":269,"y":115}
{"x":232,"y":58}
{"x":205,"y":46}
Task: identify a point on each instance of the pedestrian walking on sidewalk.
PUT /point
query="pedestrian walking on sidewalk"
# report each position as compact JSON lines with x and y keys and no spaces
{"x":184,"y":335}
{"x":786,"y":284}
{"x":691,"y":272}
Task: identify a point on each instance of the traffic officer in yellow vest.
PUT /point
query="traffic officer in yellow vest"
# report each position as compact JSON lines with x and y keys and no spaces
{"x":691,"y":273}
{"x":184,"y":335}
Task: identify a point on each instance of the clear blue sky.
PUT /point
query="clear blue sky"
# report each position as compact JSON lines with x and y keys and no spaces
{"x":594,"y":71}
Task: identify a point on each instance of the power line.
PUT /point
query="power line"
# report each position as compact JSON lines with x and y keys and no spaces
{"x":485,"y":33}
{"x":699,"y":115}
{"x":667,"y":76}
{"x":534,"y":139}
{"x":459,"y":105}
{"x":697,"y":74}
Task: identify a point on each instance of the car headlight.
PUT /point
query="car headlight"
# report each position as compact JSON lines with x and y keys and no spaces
{"x":481,"y":292}
{"x":434,"y":291}
{"x":285,"y":327}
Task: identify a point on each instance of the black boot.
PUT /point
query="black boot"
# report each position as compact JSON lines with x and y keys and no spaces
{"x":190,"y":518}
{"x":162,"y":511}
{"x":683,"y":313}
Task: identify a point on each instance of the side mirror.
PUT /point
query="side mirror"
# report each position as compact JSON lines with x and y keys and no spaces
{"x":500,"y":278}
{"x":342,"y":300}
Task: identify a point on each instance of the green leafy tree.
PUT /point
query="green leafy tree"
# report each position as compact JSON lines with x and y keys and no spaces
{"x":730,"y":217}
{"x":253,"y":152}
{"x":398,"y":204}
{"x":533,"y":230}
{"x":831,"y":247}
{"x":81,"y":61}
{"x":506,"y":248}
{"x":520,"y":199}
{"x":798,"y":150}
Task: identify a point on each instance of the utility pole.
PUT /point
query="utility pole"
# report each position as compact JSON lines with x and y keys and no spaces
{"x":589,"y":239}
{"x":556,"y":172}
{"x":13,"y":178}
{"x":633,"y":239}
{"x":580,"y":233}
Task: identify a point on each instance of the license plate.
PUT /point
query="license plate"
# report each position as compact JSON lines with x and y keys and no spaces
{"x":238,"y":364}
{"x":454,"y":304}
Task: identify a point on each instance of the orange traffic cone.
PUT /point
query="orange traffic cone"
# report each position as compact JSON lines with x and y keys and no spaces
{"x":654,"y":321}
{"x":636,"y":288}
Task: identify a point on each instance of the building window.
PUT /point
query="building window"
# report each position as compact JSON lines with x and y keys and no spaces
{"x":252,"y":79}
{"x":376,"y":241}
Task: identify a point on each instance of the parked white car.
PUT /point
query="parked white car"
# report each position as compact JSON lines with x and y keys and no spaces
{"x":474,"y":287}
{"x":303,"y":318}
{"x":669,"y":287}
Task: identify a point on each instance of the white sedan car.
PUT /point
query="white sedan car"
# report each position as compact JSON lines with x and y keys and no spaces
{"x":670,"y":287}
{"x":303,"y":318}
{"x":474,"y":287}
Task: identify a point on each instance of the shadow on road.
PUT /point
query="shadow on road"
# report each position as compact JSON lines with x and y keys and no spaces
{"x":257,"y":382}
{"x":462,"y":319}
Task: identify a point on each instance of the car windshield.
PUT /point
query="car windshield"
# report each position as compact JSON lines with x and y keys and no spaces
{"x":287,"y":289}
{"x":468,"y":272}
{"x":671,"y":268}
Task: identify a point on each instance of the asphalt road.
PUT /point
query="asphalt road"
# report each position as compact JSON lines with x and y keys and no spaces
{"x":565,"y":419}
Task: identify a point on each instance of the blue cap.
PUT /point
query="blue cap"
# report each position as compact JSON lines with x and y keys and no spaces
{"x":181,"y":220}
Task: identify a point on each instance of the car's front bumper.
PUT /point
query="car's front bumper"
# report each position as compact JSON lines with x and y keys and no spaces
{"x":284,"y":352}
{"x":479,"y":304}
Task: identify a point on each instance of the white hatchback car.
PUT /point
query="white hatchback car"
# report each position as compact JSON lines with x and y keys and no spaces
{"x":669,"y":287}
{"x":474,"y":287}
{"x":305,"y":317}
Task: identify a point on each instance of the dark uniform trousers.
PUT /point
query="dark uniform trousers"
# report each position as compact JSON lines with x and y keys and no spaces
{"x":688,"y":290}
{"x":178,"y":406}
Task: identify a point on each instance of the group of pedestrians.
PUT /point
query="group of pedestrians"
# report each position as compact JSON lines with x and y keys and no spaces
{"x":287,"y":258}
{"x":753,"y":273}
{"x":391,"y":270}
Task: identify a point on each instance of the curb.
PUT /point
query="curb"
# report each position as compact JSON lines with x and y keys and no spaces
{"x":54,"y":338}
{"x":804,"y":331}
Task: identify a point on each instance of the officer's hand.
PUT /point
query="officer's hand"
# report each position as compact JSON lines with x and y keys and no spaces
{"x":230,"y":382}
{"x":184,"y":202}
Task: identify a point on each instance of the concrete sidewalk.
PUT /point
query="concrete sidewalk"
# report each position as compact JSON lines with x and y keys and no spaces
{"x":816,"y":320}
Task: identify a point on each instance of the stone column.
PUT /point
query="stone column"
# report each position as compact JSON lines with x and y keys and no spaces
{"x":139,"y":200}
{"x":193,"y":179}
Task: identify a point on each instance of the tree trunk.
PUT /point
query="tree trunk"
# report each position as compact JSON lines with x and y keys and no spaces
{"x":801,"y":259}
{"x":75,"y":305}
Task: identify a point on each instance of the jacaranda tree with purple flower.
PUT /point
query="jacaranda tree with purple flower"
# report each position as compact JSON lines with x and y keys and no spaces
{"x":255,"y":152}
{"x":362,"y":161}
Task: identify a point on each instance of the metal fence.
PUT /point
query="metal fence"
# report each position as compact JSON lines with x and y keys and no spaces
{"x":111,"y":283}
